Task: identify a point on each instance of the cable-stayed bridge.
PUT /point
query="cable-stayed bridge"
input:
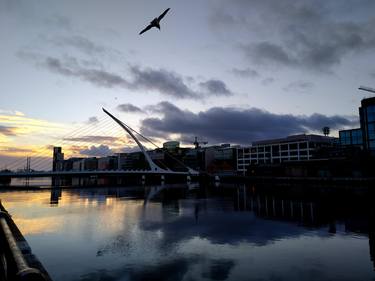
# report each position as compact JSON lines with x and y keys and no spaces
{"x":153,"y":168}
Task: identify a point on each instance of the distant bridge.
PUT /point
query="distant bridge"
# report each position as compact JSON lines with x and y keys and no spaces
{"x":154,"y":168}
{"x":39,"y":174}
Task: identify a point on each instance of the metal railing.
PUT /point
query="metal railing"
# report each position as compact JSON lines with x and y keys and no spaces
{"x":13,"y":263}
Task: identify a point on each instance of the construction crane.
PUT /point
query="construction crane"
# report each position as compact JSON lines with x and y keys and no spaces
{"x":367,"y":89}
{"x":197,"y":143}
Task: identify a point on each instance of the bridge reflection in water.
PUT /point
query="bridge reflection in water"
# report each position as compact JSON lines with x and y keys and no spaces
{"x":215,"y":232}
{"x":313,"y":212}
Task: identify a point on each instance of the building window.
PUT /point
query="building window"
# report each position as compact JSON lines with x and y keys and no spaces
{"x":293,"y":146}
{"x":284,"y":147}
{"x":371,"y":131}
{"x":303,"y":145}
{"x":371,"y":113}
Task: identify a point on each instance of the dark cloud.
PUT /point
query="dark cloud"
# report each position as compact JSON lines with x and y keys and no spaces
{"x":98,"y":77}
{"x":127,"y":107}
{"x":102,"y":150}
{"x":92,"y":120}
{"x":226,"y":124}
{"x":245,"y":73}
{"x":167,"y":82}
{"x":7,"y":131}
{"x":215,"y":87}
{"x":305,"y":34}
{"x":299,"y":86}
{"x":160,"y":80}
{"x":265,"y":52}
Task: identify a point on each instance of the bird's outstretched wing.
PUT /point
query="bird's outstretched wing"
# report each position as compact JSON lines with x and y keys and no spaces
{"x":163,"y":14}
{"x":147,"y":28}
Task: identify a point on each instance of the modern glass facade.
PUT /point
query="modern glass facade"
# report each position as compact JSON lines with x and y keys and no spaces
{"x":351,"y":137}
{"x":367,"y":115}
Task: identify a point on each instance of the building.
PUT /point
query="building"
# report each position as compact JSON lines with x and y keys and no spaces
{"x":58,"y":159}
{"x":107,"y":163}
{"x":351,"y":138}
{"x":171,"y":145}
{"x":367,"y":121}
{"x":292,"y":148}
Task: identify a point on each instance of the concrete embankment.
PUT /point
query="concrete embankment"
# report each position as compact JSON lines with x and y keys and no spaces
{"x":17,"y":262}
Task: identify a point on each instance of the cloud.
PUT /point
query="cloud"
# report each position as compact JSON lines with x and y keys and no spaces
{"x":215,"y":87}
{"x":245,"y":73}
{"x":92,"y":120}
{"x":7,"y":131}
{"x":165,"y":82}
{"x":267,"y":81}
{"x":234,"y":125}
{"x":127,"y":107}
{"x":19,"y":124}
{"x":265,"y":52}
{"x":102,"y":150}
{"x":81,"y":43}
{"x":98,"y":77}
{"x":315,"y":35}
{"x":298,"y":86}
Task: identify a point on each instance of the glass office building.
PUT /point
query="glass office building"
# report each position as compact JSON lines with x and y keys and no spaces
{"x":367,"y":118}
{"x":351,"y":137}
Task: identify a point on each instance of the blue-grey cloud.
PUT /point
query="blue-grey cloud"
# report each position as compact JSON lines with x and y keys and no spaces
{"x":242,"y":126}
{"x":79,"y":42}
{"x":127,"y":107}
{"x":92,"y":120}
{"x":267,"y":81}
{"x":245,"y":73}
{"x":98,"y":77}
{"x":299,"y":86}
{"x":165,"y":82}
{"x":161,"y":80}
{"x":304,"y":34}
{"x":102,"y":150}
{"x":215,"y":87}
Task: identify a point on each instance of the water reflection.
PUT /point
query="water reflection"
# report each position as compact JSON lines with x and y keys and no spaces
{"x":190,"y":233}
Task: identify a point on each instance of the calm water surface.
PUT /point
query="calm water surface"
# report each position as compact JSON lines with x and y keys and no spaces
{"x":227,"y":233}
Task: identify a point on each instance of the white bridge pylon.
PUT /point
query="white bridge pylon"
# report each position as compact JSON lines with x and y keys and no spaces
{"x":153,"y":166}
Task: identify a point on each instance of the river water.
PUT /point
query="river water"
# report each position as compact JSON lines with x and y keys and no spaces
{"x":230,"y":232}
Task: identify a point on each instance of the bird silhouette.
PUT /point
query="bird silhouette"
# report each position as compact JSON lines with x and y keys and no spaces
{"x":155,"y":22}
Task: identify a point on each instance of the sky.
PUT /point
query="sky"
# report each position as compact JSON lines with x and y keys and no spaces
{"x":226,"y":71}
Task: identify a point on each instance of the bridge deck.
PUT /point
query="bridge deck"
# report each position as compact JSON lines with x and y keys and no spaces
{"x":91,"y":173}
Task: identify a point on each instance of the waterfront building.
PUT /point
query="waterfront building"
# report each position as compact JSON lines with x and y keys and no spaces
{"x":58,"y":159}
{"x":292,"y":148}
{"x":171,"y":145}
{"x":350,"y":138}
{"x":367,"y":120}
{"x":107,"y":163}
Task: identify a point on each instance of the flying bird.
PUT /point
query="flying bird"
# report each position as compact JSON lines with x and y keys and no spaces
{"x":155,"y":22}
